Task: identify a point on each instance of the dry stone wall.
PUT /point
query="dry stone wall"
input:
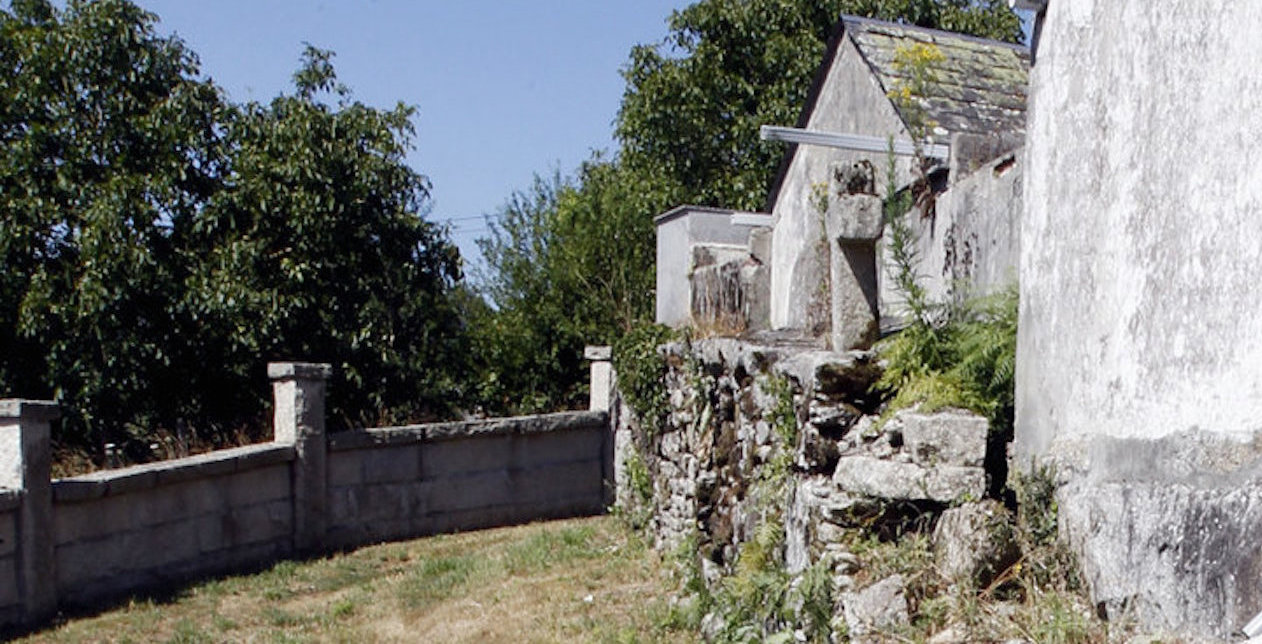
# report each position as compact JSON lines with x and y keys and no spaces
{"x":794,"y":434}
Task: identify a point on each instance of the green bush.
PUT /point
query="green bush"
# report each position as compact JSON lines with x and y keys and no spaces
{"x":641,"y":372}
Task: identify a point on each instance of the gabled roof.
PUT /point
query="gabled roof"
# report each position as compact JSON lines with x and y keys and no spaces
{"x":980,"y":86}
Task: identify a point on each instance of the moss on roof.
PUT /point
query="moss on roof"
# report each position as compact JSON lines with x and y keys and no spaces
{"x":979,"y":86}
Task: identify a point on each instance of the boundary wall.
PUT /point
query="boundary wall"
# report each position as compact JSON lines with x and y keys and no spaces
{"x":74,"y":541}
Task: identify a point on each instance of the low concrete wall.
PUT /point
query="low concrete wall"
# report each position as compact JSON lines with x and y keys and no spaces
{"x":152,"y":525}
{"x":82,"y":539}
{"x":400,"y":482}
{"x":10,"y":599}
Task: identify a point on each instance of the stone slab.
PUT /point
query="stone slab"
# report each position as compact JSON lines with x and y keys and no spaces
{"x":400,"y":463}
{"x":854,"y":218}
{"x":258,"y":485}
{"x":907,"y":481}
{"x":8,"y":534}
{"x":8,"y":583}
{"x":142,"y":477}
{"x":452,"y":457}
{"x":948,"y":437}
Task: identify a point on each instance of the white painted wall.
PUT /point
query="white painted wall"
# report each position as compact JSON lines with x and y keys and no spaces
{"x":1142,"y":241}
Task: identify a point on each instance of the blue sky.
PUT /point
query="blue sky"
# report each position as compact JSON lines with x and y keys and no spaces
{"x":504,"y":89}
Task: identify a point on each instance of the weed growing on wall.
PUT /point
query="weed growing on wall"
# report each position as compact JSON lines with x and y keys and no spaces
{"x":966,"y":360}
{"x":915,"y":65}
{"x":641,"y":373}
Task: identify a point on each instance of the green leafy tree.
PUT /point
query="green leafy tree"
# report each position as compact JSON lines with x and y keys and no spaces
{"x":315,"y":249}
{"x":566,"y":268}
{"x":159,"y":244}
{"x":106,"y":140}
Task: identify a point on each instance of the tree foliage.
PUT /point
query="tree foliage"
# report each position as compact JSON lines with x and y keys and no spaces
{"x":567,"y":267}
{"x":694,"y":103}
{"x":571,"y":262}
{"x":159,"y":244}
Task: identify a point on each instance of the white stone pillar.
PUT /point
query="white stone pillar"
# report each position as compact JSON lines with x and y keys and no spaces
{"x":298,"y":394}
{"x":601,"y":390}
{"x":25,"y":464}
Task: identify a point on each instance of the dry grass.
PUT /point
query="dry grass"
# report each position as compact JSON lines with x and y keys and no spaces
{"x":578,"y":580}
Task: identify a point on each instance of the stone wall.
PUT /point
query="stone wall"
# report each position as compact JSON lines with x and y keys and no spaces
{"x":84,"y":539}
{"x":10,"y":599}
{"x":117,"y":531}
{"x":791,"y":434}
{"x":1140,"y":347}
{"x":400,"y":482}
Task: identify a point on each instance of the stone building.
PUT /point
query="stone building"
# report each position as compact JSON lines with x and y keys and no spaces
{"x":812,"y":268}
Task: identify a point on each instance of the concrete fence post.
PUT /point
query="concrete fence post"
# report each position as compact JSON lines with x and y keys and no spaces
{"x":25,"y":464}
{"x":601,"y":390}
{"x":298,"y":395}
{"x":601,"y":399}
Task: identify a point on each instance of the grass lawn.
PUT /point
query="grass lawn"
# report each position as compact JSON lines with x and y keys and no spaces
{"x":587,"y":580}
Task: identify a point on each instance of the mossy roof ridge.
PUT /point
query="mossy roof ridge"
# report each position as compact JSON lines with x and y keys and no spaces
{"x":979,"y":86}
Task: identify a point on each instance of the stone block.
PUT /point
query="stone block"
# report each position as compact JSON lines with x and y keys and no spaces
{"x":91,"y":519}
{"x":211,"y":536}
{"x":396,"y":464}
{"x":478,"y":490}
{"x":578,"y":479}
{"x":81,"y":562}
{"x":907,"y":481}
{"x":844,"y":375}
{"x":71,"y":490}
{"x":160,"y":546}
{"x":259,"y":485}
{"x":178,"y":501}
{"x":345,"y":468}
{"x":880,"y":608}
{"x":343,"y":505}
{"x":8,"y":583}
{"x":8,"y":534}
{"x":854,"y":218}
{"x":466,"y":456}
{"x":592,"y":352}
{"x":544,"y":450}
{"x":257,"y":523}
{"x":949,"y":437}
{"x":131,"y":480}
{"x":975,"y":542}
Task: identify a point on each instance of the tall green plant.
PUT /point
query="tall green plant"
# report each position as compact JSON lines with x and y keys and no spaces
{"x":159,"y":244}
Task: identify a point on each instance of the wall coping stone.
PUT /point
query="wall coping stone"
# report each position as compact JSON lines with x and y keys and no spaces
{"x":10,"y":500}
{"x":150,"y":475}
{"x":598,"y":352}
{"x":37,"y":410}
{"x":299,"y":371}
{"x":431,"y":432}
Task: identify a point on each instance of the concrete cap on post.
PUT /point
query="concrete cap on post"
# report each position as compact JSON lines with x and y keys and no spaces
{"x":299,"y":371}
{"x":35,"y":410}
{"x":601,"y":384}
